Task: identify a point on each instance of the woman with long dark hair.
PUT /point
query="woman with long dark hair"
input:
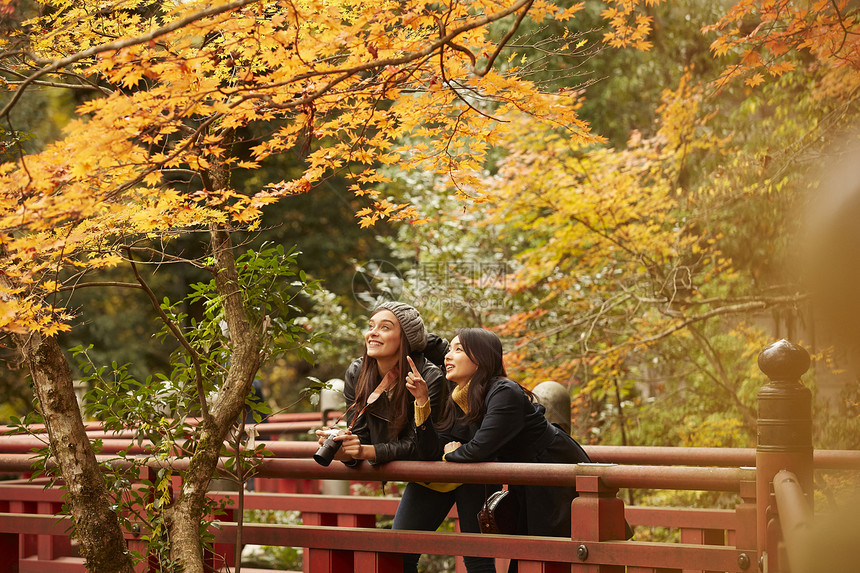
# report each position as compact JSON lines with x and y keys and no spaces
{"x":381,"y":415}
{"x":380,"y":411}
{"x":502,"y":423}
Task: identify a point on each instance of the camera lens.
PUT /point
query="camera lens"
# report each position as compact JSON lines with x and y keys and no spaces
{"x":325,"y":453}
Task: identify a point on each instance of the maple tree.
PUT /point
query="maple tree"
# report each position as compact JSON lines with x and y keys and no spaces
{"x":179,"y":96}
{"x":619,"y":243}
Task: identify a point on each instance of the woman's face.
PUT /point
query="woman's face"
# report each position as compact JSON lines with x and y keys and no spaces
{"x":459,"y":368}
{"x":383,"y":336}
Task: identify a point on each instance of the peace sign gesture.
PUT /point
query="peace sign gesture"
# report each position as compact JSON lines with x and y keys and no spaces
{"x":416,"y":384}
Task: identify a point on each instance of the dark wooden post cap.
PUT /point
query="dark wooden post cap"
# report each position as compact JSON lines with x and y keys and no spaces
{"x":784,"y":361}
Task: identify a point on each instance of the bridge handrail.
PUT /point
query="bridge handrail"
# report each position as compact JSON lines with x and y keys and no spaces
{"x":286,"y":422}
{"x":537,"y":549}
{"x":357,"y":540}
{"x":636,"y":455}
{"x":620,"y":476}
{"x":795,"y":518}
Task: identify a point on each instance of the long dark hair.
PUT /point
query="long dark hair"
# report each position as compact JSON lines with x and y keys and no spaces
{"x":484,"y":348}
{"x":369,"y":378}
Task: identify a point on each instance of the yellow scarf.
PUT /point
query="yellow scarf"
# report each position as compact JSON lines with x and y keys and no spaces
{"x":460,"y":395}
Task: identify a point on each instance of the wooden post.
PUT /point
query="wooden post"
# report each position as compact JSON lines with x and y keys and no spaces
{"x":744,"y":536}
{"x":324,"y":560}
{"x":49,"y":547}
{"x":27,"y":543}
{"x":371,"y":562}
{"x":223,"y":555}
{"x":9,"y":552}
{"x":784,"y":433}
{"x":597,"y":515}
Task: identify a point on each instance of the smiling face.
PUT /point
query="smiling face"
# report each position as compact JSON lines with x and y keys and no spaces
{"x":459,"y":368}
{"x":382,"y":337}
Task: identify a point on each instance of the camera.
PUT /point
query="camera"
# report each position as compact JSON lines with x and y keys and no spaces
{"x":325,"y":453}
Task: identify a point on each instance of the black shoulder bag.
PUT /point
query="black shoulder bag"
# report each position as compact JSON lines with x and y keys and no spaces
{"x":499,"y":513}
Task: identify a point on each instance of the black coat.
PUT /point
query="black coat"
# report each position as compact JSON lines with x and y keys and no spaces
{"x":513,"y":429}
{"x":372,"y":427}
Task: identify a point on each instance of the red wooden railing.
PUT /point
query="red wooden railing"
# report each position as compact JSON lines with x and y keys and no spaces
{"x":339,"y":532}
{"x":597,"y":512}
{"x":722,"y":540}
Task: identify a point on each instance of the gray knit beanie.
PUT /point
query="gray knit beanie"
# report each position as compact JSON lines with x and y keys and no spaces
{"x":410,"y":321}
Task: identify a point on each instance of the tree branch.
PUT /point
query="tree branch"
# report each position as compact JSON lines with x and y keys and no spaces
{"x":723,"y":310}
{"x":379,"y":63}
{"x":100,"y":284}
{"x":722,"y":380}
{"x":57,"y":85}
{"x":448,"y":83}
{"x":118,"y":45}
{"x":195,"y":358}
{"x":168,"y":258}
{"x":504,"y":40}
{"x":86,"y":83}
{"x":341,"y":74}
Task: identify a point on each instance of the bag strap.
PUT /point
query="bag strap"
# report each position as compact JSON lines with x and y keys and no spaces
{"x":387,"y":382}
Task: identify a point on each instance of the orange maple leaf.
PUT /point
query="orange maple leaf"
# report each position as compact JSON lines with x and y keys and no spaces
{"x":755,"y":80}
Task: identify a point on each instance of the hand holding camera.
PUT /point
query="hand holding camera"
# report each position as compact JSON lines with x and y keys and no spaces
{"x":332,"y":440}
{"x":328,"y":445}
{"x":338,"y":439}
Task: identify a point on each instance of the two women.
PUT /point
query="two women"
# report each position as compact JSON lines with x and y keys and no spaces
{"x":381,"y":415}
{"x":487,"y":418}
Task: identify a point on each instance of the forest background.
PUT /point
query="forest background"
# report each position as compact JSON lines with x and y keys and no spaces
{"x":644,"y":272}
{"x":633,"y":226}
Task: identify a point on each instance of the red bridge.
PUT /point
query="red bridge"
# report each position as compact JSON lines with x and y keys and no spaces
{"x":768,"y":529}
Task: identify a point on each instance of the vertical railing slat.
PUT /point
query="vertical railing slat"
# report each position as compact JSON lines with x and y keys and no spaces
{"x":9,"y":553}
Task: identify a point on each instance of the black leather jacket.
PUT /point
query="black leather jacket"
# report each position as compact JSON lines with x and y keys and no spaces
{"x":372,"y":426}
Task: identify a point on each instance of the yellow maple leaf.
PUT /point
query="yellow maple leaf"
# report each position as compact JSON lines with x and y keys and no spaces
{"x":777,"y":70}
{"x":754,"y":80}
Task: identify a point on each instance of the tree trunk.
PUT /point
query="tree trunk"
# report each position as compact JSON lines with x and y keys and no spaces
{"x":224,"y":411}
{"x":96,"y":525}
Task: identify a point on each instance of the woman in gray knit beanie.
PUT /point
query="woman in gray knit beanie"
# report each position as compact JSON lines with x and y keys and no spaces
{"x":379,"y":409}
{"x":410,"y":322}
